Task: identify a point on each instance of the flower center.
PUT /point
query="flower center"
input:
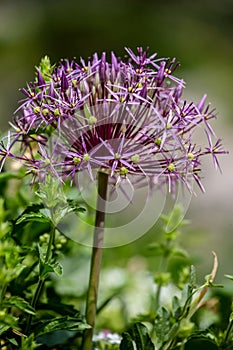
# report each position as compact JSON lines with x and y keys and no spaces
{"x":190,"y":156}
{"x":117,"y":156}
{"x":158,"y":141}
{"x":123,"y":171}
{"x":36,"y":110}
{"x":45,"y":111}
{"x":56,"y":112}
{"x":86,"y":157}
{"x":135,"y":158}
{"x":76,"y":160}
{"x":171,"y":167}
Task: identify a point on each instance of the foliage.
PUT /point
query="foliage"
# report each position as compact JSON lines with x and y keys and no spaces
{"x":56,"y":134}
{"x":34,"y":315}
{"x":27,"y":262}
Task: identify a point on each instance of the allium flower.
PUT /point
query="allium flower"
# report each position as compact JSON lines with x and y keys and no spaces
{"x":126,"y":117}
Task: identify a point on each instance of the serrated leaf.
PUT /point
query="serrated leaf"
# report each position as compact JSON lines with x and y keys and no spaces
{"x":46,"y":267}
{"x":61,"y":323}
{"x":20,"y":303}
{"x":57,"y":268}
{"x":162,"y":324}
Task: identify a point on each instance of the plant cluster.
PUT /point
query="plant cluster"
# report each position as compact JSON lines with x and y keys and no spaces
{"x":122,"y":121}
{"x":34,"y":319}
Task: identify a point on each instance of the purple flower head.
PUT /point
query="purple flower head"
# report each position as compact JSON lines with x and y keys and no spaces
{"x":126,"y":117}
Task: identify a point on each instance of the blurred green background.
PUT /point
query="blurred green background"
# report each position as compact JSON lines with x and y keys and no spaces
{"x":198,"y":33}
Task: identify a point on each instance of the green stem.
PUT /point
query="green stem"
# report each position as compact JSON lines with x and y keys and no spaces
{"x":157,"y":297}
{"x":228,"y":332}
{"x":41,"y":280}
{"x":162,"y":268}
{"x":50,"y":244}
{"x":92,"y":294}
{"x":3,"y":293}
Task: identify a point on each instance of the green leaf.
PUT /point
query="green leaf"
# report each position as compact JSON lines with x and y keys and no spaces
{"x":51,"y":192}
{"x":180,"y":252}
{"x":200,"y":343}
{"x":187,"y":294}
{"x":46,"y":267}
{"x":20,"y":303}
{"x":13,"y":341}
{"x":127,"y":342}
{"x":4,"y":328}
{"x":174,"y":219}
{"x":141,"y":336}
{"x":9,"y":175}
{"x":75,"y":206}
{"x":61,"y":323}
{"x":57,"y":268}
{"x":28,"y":343}
{"x":162,"y":325}
{"x":25,"y":278}
{"x":137,"y":336}
{"x":9,"y":321}
{"x":33,"y":208}
{"x":176,"y":307}
{"x":28,"y":217}
{"x":172,"y":332}
{"x":60,"y":308}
